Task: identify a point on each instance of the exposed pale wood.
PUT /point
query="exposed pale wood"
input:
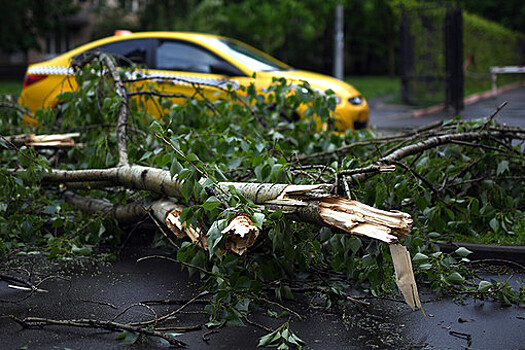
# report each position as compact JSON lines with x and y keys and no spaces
{"x":54,"y":140}
{"x":360,"y":219}
{"x":169,"y":213}
{"x":405,"y":275}
{"x":241,"y":234}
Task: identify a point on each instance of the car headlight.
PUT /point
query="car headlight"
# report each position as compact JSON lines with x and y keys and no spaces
{"x":356,"y":101}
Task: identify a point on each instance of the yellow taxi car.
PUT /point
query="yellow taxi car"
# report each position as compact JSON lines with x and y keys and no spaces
{"x":178,"y":61}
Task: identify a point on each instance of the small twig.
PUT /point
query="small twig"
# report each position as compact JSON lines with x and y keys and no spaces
{"x":171,"y":314}
{"x":99,"y":303}
{"x":502,"y":261}
{"x":205,"y":335}
{"x":181,"y":154}
{"x":418,"y":176}
{"x":180,"y":328}
{"x":492,"y":116}
{"x":157,"y":94}
{"x":172,"y":301}
{"x":268,"y":301}
{"x":122,"y":122}
{"x":162,"y":230}
{"x":91,"y":323}
{"x":179,"y":262}
{"x":253,"y":323}
{"x":17,"y":107}
{"x":132,"y":306}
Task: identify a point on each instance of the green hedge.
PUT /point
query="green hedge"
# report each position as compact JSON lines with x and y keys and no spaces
{"x":491,"y":45}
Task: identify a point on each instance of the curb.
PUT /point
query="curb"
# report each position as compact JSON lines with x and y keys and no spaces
{"x":468,"y":100}
{"x":488,"y":251}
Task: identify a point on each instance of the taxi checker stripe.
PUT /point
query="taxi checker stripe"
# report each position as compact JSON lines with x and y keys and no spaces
{"x":178,"y":79}
{"x":50,"y":70}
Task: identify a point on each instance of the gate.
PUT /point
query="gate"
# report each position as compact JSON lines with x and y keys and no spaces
{"x":431,"y":50}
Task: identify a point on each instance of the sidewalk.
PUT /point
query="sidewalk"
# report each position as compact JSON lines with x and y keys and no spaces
{"x":386,"y":116}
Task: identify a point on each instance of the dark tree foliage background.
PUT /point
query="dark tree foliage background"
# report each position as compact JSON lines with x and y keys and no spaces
{"x":298,"y":32}
{"x":23,"y":21}
{"x":301,"y":32}
{"x":510,"y":14}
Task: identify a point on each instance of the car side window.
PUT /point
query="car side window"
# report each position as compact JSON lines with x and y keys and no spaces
{"x":180,"y":56}
{"x":127,"y":52}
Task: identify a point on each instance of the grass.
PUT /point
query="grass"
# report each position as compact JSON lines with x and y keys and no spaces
{"x":376,"y":85}
{"x":10,"y":87}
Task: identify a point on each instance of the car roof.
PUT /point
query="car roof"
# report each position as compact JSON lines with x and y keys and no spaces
{"x":200,"y":38}
{"x":196,"y":37}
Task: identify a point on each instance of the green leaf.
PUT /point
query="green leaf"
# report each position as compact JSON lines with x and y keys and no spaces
{"x":187,"y":189}
{"x":128,"y":337}
{"x":272,"y":313}
{"x":84,"y":250}
{"x":215,"y":236}
{"x":288,"y":292}
{"x":258,"y":219}
{"x":463,"y":252}
{"x":294,"y":339}
{"x":269,"y":339}
{"x":494,"y":224}
{"x":175,"y":168}
{"x":502,"y":167}
{"x":211,"y":203}
{"x":192,"y":157}
{"x":425,"y":266}
{"x":419,"y":258}
{"x":283,"y":346}
{"x":484,"y":286}
{"x":455,"y":278}
{"x":354,"y":243}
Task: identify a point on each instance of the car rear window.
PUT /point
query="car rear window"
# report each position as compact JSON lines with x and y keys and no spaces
{"x":127,"y":52}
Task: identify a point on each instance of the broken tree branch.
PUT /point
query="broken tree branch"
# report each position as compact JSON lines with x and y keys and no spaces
{"x":298,"y":202}
{"x":122,"y":122}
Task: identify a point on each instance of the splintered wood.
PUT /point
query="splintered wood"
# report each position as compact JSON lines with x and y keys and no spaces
{"x":360,"y":219}
{"x":241,"y":234}
{"x":171,"y":218}
{"x":405,"y":275}
{"x":58,"y":140}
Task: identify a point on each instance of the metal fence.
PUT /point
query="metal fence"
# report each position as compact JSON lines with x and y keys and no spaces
{"x":431,"y":55}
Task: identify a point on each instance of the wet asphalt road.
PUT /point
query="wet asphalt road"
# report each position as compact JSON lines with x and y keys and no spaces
{"x":103,"y":291}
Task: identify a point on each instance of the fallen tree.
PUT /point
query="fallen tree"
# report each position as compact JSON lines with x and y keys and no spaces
{"x":225,"y":189}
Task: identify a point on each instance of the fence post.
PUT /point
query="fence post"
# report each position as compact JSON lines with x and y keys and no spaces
{"x":494,"y":77}
{"x":406,"y":61}
{"x":454,"y":59}
{"x":339,"y":42}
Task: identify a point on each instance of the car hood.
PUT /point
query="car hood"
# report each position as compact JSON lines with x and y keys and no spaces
{"x":316,"y":80}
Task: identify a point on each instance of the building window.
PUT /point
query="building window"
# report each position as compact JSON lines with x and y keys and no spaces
{"x":57,"y":43}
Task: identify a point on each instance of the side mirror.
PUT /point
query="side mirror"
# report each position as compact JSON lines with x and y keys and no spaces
{"x":225,"y":68}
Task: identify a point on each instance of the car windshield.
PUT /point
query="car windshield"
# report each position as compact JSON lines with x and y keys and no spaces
{"x":254,"y":60}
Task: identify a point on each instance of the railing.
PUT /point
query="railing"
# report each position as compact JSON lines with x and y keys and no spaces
{"x":494,"y":71}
